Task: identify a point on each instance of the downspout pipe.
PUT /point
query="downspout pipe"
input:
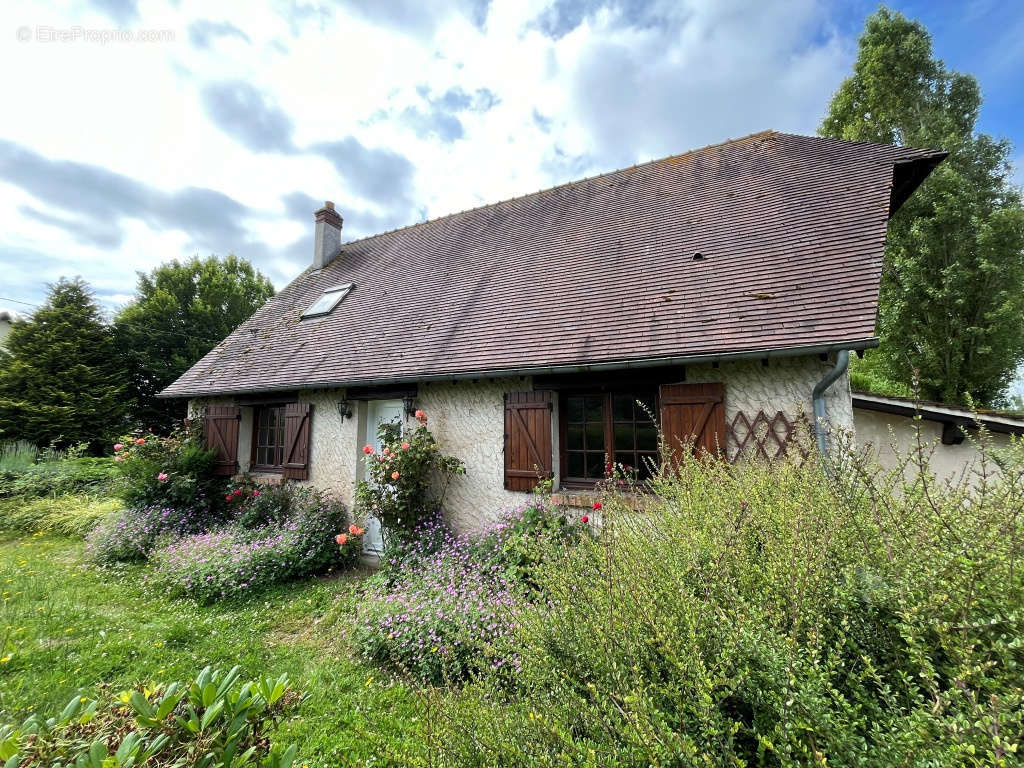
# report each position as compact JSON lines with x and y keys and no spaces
{"x":818,"y":399}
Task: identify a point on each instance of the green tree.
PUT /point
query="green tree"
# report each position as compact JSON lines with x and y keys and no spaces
{"x":952,"y":301}
{"x":180,"y":312}
{"x":62,"y":382}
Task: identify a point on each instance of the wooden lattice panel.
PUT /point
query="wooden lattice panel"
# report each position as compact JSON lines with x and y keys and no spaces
{"x":764,"y":437}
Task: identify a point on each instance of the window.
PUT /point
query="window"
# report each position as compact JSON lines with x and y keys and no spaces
{"x":328,"y":300}
{"x":609,"y":424}
{"x":268,"y":438}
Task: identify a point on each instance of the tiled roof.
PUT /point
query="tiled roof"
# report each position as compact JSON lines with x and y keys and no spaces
{"x":791,"y":230}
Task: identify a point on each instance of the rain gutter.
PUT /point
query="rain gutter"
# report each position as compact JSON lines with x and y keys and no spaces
{"x":616,"y":365}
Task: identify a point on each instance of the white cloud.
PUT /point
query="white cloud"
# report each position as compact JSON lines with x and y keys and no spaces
{"x":628,"y":82}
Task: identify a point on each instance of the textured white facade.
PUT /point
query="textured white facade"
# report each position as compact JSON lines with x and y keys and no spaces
{"x":468,"y":420}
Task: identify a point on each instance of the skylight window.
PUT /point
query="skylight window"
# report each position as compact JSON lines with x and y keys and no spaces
{"x":328,"y":300}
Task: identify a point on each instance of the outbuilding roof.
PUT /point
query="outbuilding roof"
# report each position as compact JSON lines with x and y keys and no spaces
{"x":771,"y":244}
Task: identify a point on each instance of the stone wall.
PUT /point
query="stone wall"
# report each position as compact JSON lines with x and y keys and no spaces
{"x":467,"y":418}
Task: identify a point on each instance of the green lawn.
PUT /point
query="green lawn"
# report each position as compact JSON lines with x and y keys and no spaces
{"x":66,"y":627}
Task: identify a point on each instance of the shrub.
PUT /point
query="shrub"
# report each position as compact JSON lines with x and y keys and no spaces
{"x":56,"y":478}
{"x":173,"y":471}
{"x":69,"y":515}
{"x":213,"y":721}
{"x":765,"y":615}
{"x":406,"y":482}
{"x":446,"y":606}
{"x":133,"y":534}
{"x":237,"y":561}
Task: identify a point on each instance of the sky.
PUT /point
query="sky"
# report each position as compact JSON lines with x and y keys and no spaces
{"x":139,"y":131}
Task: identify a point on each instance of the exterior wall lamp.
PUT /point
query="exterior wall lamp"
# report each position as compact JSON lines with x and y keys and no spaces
{"x":409,"y":401}
{"x":345,"y":409}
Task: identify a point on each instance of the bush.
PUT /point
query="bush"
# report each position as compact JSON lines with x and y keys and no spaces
{"x":56,"y":478}
{"x":173,"y":471}
{"x":446,"y":606}
{"x":133,"y":534}
{"x":238,"y":561}
{"x":216,"y":720}
{"x":406,"y":482}
{"x":68,"y":515}
{"x":763,"y":615}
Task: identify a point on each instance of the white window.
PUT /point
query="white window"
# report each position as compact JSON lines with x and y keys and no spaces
{"x":328,"y":300}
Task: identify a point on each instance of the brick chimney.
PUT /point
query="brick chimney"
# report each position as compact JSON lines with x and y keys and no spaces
{"x":327,"y":240}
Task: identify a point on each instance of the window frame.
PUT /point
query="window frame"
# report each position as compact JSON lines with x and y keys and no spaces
{"x":257,"y":411}
{"x":608,"y":422}
{"x":342,"y":290}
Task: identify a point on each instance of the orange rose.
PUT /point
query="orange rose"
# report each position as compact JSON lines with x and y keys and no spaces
{"x":341,"y":538}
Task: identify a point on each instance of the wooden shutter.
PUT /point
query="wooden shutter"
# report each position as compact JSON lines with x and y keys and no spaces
{"x":694,"y":413}
{"x":220,"y":432}
{"x":527,"y":439}
{"x":296,"y":440}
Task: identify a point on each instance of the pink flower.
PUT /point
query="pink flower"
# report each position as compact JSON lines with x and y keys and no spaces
{"x":229,"y":497}
{"x":162,"y":477}
{"x":238,"y":492}
{"x":421,"y":417}
{"x":118,"y":447}
{"x":140,"y":441}
{"x":367,"y":449}
{"x":355,"y":530}
{"x":406,"y":446}
{"x":341,"y":538}
{"x":585,"y":519}
{"x":395,"y":475}
{"x":255,"y":494}
{"x":118,"y":458}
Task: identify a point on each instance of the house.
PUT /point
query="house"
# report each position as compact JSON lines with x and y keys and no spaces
{"x":7,"y":318}
{"x":724,"y":288}
{"x":949,"y":433}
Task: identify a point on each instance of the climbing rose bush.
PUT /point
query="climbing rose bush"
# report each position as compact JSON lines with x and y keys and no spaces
{"x":406,"y":480}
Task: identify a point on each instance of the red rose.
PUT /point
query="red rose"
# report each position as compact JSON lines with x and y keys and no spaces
{"x":255,"y":494}
{"x":229,"y":497}
{"x":585,"y":519}
{"x":367,"y":449}
{"x":597,"y":505}
{"x":238,"y":491}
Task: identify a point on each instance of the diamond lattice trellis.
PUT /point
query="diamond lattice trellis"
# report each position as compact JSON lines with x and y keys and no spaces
{"x":764,"y":437}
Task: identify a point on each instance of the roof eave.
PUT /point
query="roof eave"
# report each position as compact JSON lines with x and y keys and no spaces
{"x":939,"y":412}
{"x":612,"y":365}
{"x":909,"y":174}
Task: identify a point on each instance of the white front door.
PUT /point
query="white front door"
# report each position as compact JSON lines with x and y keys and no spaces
{"x":378,"y":412}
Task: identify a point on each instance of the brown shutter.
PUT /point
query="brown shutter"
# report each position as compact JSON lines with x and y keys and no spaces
{"x":296,"y":440}
{"x":527,"y":439}
{"x":694,"y":413}
{"x":220,"y":432}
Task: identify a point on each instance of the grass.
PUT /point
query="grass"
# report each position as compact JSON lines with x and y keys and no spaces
{"x":68,"y":514}
{"x":67,"y":627}
{"x":16,"y":455}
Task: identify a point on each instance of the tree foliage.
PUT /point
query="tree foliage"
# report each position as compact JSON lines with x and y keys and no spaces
{"x":62,"y":382}
{"x":181,"y":311}
{"x":952,"y":302}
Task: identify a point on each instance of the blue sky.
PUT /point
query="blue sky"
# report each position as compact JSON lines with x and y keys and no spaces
{"x":137,"y":131}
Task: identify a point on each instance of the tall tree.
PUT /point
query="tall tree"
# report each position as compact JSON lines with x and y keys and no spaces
{"x":952,"y":302}
{"x":181,"y":311}
{"x":62,"y":382}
